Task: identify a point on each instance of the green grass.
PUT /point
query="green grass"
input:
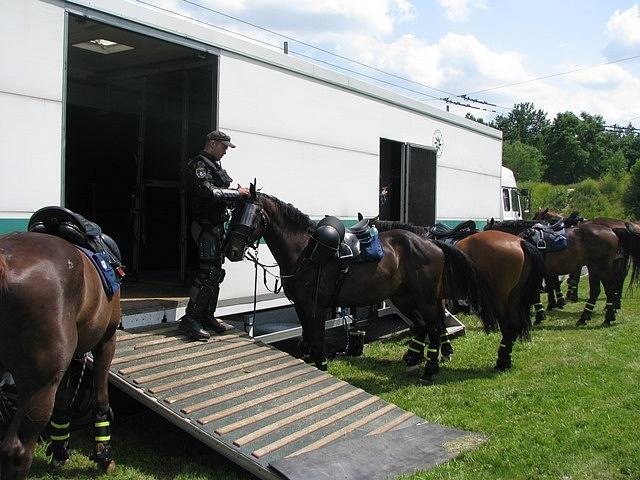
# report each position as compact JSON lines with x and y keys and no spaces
{"x":568,"y":409}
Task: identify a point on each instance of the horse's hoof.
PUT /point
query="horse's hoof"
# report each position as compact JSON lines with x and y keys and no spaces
{"x":425,"y":380}
{"x":581,"y":323}
{"x":540,"y":316}
{"x":502,"y":368}
{"x":538,"y":321}
{"x":445,"y":358}
{"x":412,"y":368}
{"x":109,"y":467}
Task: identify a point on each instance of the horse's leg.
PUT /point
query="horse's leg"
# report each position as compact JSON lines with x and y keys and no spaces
{"x":549,"y":283}
{"x":621,"y":268}
{"x":59,"y":425}
{"x":539,"y":309}
{"x":35,"y":403}
{"x":594,"y":293}
{"x":560,"y":301}
{"x":304,"y":345}
{"x":610,"y":283}
{"x":446,"y":349}
{"x":415,"y":351}
{"x":433,"y":316}
{"x":508,"y":310}
{"x":102,"y":356}
{"x":572,"y":286}
{"x":316,"y":327}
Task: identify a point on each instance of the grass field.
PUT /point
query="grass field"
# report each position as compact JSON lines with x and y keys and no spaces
{"x":569,"y":409}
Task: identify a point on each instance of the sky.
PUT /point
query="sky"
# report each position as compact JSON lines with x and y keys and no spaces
{"x":434,"y":49}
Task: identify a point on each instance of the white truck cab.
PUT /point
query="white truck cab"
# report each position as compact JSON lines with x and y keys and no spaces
{"x":514,"y":201}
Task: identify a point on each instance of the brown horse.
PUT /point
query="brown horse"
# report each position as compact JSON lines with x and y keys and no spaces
{"x":593,"y":245}
{"x":52,"y":307}
{"x":414,"y":274}
{"x":511,"y":271}
{"x":621,"y":262}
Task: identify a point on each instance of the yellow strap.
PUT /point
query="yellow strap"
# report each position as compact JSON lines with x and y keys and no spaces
{"x":413,"y":350}
{"x":60,"y":437}
{"x":103,"y":439}
{"x":502,"y":345}
{"x":418,"y":342}
{"x":432,"y":350}
{"x":106,"y":423}
{"x":60,"y":426}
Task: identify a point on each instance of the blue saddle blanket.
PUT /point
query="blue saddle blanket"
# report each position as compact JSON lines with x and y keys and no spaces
{"x":108,"y":276}
{"x":370,"y":248}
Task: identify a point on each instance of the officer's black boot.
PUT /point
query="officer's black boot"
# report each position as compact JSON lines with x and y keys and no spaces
{"x":190,"y":323}
{"x":210,"y":321}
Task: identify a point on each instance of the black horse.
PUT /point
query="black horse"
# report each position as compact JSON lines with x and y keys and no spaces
{"x":416,"y":275}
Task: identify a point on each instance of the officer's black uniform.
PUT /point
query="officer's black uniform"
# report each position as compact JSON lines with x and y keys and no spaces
{"x":207,"y":185}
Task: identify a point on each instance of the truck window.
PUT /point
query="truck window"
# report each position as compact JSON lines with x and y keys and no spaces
{"x":505,"y":199}
{"x":515,"y":201}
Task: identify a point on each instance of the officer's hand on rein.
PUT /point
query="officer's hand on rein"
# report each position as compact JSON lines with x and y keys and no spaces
{"x":244,"y":191}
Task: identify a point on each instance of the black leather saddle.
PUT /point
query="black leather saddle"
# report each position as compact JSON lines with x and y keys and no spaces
{"x":74,"y":228}
{"x":442,"y":232}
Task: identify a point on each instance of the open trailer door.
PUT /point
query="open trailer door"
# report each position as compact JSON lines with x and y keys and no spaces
{"x":418,"y":205}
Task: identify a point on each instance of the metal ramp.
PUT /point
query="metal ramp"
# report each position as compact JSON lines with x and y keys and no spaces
{"x":245,"y":399}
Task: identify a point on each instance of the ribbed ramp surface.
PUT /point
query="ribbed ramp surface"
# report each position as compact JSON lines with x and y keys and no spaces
{"x":248,"y":401}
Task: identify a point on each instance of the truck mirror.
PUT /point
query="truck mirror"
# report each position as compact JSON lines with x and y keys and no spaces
{"x":525,"y":199}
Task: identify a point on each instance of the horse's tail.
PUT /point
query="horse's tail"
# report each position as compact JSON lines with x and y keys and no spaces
{"x":630,"y":239}
{"x":4,"y":269}
{"x":530,"y":289}
{"x":463,"y":281}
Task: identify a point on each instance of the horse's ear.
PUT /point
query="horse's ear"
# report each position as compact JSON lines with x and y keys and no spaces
{"x":360,"y":217}
{"x":373,"y":220}
{"x":252,"y":189}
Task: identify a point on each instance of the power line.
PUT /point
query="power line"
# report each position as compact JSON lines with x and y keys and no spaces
{"x":384,"y":72}
{"x":300,"y":54}
{"x":552,"y":75}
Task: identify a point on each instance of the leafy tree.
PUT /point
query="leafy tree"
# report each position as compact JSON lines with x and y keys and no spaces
{"x":567,"y":160}
{"x":527,"y":162}
{"x":631,"y":198}
{"x":523,"y":123}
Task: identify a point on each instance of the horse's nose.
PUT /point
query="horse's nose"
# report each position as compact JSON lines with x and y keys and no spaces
{"x":234,"y":253}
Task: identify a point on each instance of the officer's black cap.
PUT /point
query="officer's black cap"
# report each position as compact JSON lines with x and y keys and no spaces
{"x":222,"y":137}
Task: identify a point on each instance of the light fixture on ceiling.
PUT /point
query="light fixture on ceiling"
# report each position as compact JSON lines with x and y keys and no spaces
{"x":102,"y":45}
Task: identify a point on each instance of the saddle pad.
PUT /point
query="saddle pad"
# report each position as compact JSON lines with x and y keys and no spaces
{"x":371,"y":249}
{"x":100,"y":261}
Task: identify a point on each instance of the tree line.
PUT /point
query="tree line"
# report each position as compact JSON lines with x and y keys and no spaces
{"x":572,"y":162}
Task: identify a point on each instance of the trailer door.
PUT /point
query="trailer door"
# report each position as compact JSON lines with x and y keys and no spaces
{"x":418,"y":204}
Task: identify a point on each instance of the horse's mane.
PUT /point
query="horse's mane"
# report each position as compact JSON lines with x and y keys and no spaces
{"x":385,"y":225}
{"x":292,"y":213}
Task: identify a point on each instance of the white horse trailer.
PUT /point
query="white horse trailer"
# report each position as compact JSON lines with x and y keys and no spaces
{"x":104,"y":99}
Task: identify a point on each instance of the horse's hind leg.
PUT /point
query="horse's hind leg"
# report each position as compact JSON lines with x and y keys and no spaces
{"x":415,"y":351}
{"x":35,"y":407}
{"x":102,"y":356}
{"x":539,"y":309}
{"x":59,"y":425}
{"x":621,"y":268}
{"x":560,"y":301}
{"x":572,"y":286}
{"x":594,"y":293}
{"x":433,"y":316}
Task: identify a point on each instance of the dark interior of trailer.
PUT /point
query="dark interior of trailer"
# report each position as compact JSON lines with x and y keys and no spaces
{"x":136,"y":108}
{"x":408,"y":172}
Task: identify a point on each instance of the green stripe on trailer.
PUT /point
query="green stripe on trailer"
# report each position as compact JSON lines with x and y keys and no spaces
{"x":13,"y":225}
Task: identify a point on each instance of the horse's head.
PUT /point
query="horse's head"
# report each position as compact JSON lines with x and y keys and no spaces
{"x":541,"y":214}
{"x":246,"y":226}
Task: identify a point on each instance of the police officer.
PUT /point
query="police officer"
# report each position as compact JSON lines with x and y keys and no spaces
{"x":207,"y":185}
